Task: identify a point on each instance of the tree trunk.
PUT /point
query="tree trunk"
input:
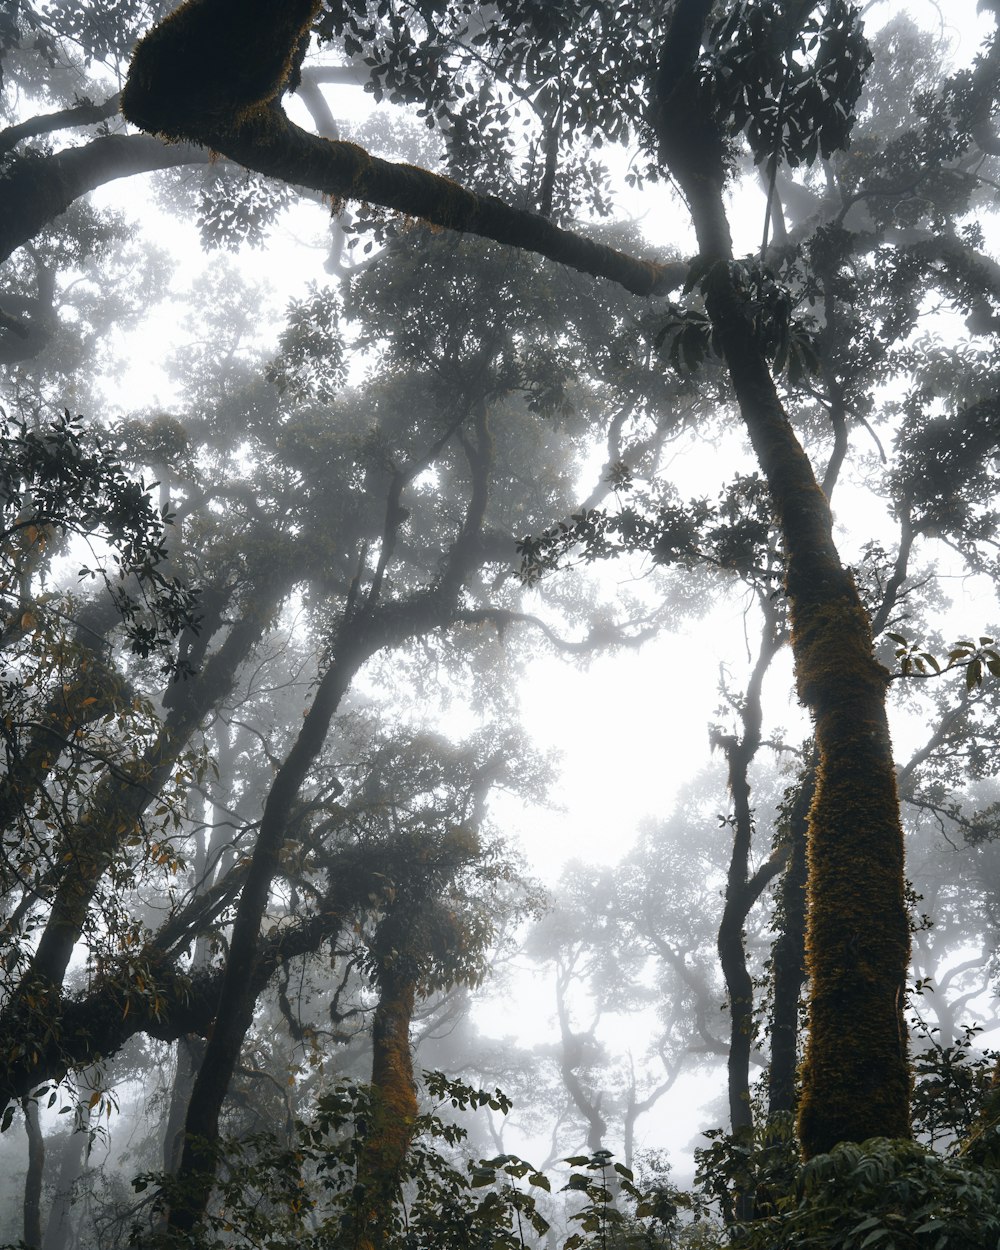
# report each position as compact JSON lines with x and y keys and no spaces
{"x":855,"y":1081}
{"x":72,"y":1157}
{"x":190,"y":1049}
{"x":33,"y":1179}
{"x":239,"y":994}
{"x":395,"y":1109}
{"x":788,"y":954}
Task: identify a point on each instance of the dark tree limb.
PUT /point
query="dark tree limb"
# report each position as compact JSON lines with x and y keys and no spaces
{"x":87,"y":114}
{"x":37,"y":191}
{"x":181,"y":86}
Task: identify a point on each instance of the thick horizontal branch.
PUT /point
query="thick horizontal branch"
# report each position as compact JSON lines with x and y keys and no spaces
{"x":274,"y":146}
{"x":35,"y":192}
{"x":212,"y":73}
{"x":98,"y":1024}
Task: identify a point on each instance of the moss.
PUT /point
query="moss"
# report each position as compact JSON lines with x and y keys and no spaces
{"x":855,"y":1078}
{"x":212,"y":64}
{"x":396,"y":1107}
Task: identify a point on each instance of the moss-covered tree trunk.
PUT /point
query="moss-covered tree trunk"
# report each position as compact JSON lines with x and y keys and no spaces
{"x":395,"y":1107}
{"x":855,"y":1081}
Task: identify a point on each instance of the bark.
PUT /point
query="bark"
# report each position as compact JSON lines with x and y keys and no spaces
{"x":395,"y":1108}
{"x":33,"y":1179}
{"x":855,"y":1077}
{"x":788,"y":955}
{"x":212,"y":72}
{"x":856,"y":1082}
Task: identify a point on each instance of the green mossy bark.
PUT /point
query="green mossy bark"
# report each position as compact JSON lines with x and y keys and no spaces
{"x":855,"y":1080}
{"x":395,"y":1108}
{"x":213,"y":64}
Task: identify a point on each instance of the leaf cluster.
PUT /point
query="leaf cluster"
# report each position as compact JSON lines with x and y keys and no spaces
{"x":686,"y":337}
{"x":880,"y":1195}
{"x":791,"y":86}
{"x":951,"y":1085}
{"x":63,"y":479}
{"x":732,"y":534}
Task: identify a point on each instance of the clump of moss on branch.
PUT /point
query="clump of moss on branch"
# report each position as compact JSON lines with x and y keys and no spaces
{"x":212,"y":64}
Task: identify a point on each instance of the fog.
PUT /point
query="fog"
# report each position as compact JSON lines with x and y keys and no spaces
{"x":500,"y":676}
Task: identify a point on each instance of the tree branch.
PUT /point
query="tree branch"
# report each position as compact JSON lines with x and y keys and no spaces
{"x":211,"y":73}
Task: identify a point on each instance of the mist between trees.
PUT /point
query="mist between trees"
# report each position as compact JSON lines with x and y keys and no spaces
{"x":265,"y":644}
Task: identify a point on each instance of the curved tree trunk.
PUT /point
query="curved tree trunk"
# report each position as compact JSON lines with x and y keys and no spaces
{"x":238,"y":995}
{"x":855,"y":1080}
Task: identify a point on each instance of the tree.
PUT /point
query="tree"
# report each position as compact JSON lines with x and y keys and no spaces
{"x":312,"y":487}
{"x":387,"y":514}
{"x":856,"y":1082}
